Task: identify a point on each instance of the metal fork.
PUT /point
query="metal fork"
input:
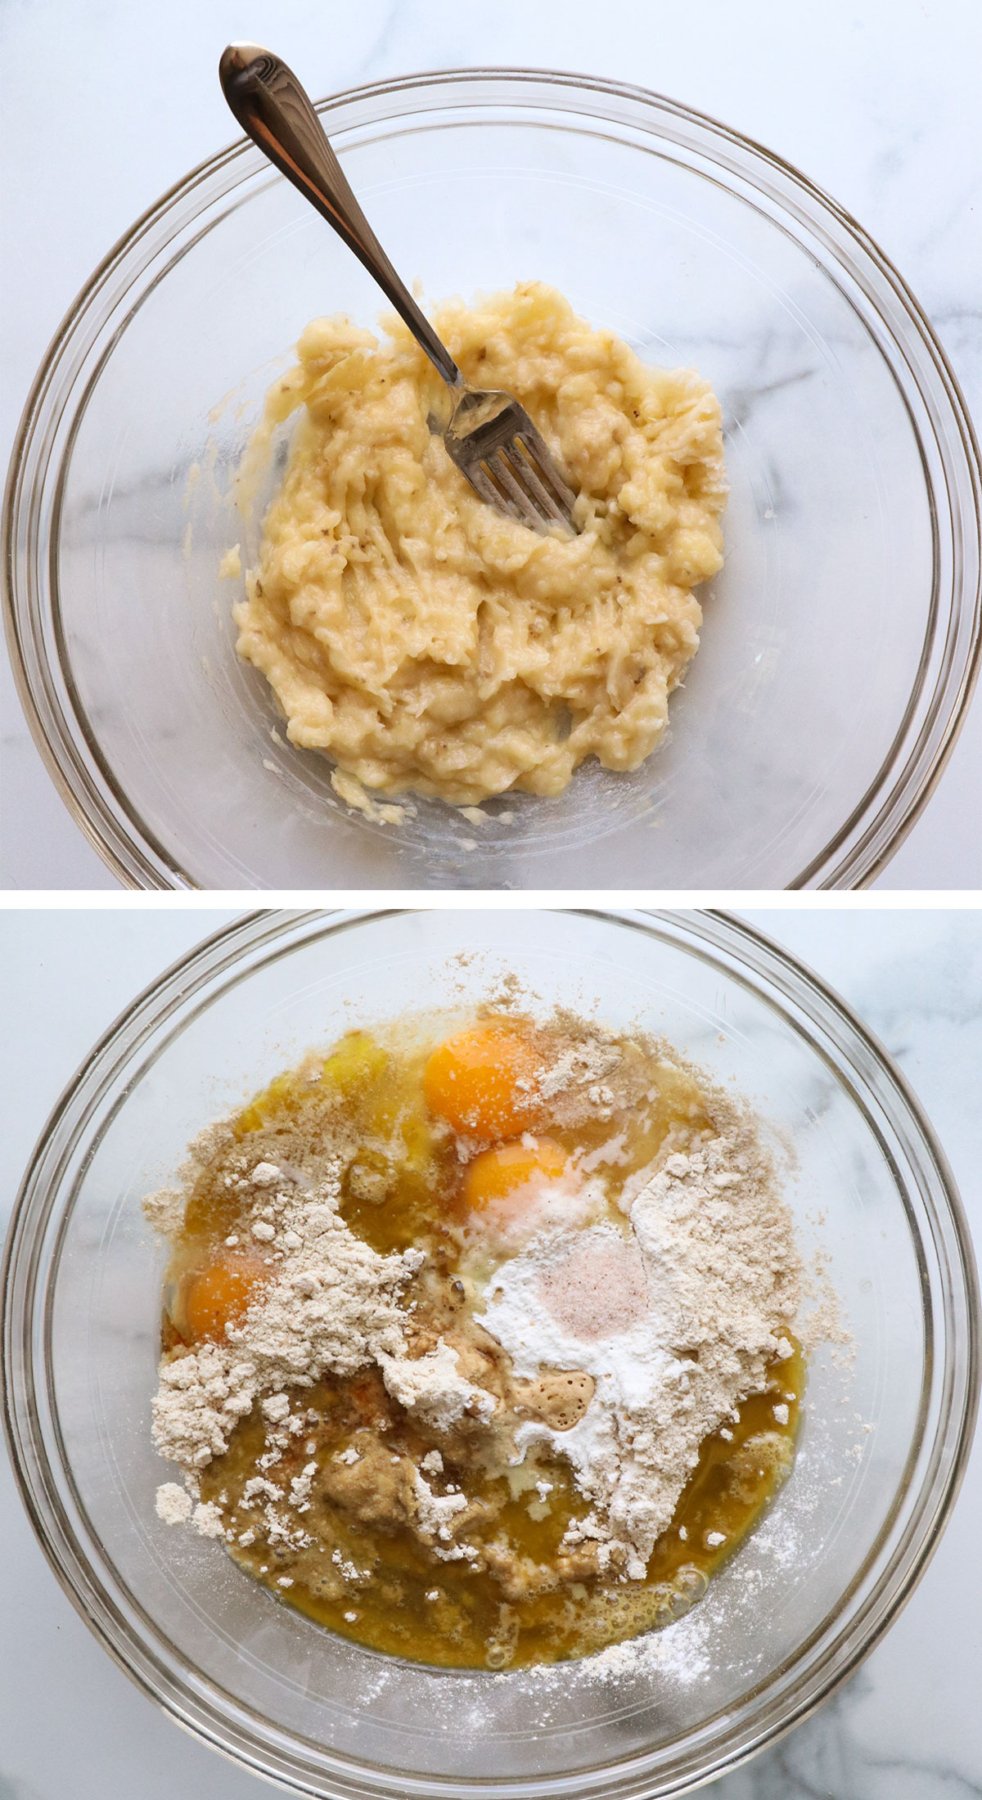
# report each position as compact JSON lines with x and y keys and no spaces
{"x":488,"y":434}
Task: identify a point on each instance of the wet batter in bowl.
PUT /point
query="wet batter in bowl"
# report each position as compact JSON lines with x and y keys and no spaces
{"x":426,"y":642}
{"x":477,"y":1343}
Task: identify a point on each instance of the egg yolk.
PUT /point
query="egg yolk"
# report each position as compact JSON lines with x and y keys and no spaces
{"x":497,"y":1174}
{"x":220,"y":1294}
{"x":484,"y":1081}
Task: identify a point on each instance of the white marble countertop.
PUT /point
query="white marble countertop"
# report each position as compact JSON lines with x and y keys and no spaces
{"x":908,"y":1726}
{"x":877,"y":102}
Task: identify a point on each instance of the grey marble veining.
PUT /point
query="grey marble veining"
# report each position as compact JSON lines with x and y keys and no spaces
{"x":907,"y":1726}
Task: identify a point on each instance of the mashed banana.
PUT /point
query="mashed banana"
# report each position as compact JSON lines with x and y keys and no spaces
{"x":425,"y":641}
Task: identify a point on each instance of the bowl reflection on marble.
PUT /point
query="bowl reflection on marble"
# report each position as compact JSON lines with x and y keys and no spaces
{"x":883,"y":1443}
{"x":840,"y":640}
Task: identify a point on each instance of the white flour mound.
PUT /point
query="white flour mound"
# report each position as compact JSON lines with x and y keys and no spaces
{"x":698,"y":1298}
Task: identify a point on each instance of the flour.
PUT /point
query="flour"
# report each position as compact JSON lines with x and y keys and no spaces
{"x":431,"y":1386}
{"x":698,"y":1300}
{"x":583,"y":1064}
{"x":331,"y":1305}
{"x":173,"y":1504}
{"x":165,"y":1209}
{"x":573,"y":1082}
{"x":435,"y":1513}
{"x":207,"y":1520}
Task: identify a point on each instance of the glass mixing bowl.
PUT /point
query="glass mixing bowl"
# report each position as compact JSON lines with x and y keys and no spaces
{"x":882,"y":1448}
{"x":840,"y":641}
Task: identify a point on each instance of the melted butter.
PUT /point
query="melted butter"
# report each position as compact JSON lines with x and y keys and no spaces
{"x":374,"y":1581}
{"x":444,"y":1613}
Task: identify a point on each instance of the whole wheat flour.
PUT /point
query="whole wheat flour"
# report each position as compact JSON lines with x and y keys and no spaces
{"x":333,"y":1304}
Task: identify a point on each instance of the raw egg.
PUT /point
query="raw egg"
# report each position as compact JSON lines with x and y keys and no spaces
{"x":484,"y":1081}
{"x":497,"y":1174}
{"x":220,"y":1294}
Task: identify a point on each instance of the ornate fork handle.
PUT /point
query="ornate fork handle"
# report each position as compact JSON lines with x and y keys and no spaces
{"x":275,"y":111}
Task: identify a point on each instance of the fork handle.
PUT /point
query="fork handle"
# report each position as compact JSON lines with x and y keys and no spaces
{"x":276,"y":112}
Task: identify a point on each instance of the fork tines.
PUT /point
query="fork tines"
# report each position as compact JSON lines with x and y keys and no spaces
{"x":509,"y":465}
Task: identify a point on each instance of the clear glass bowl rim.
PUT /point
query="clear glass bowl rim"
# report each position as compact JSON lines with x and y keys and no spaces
{"x":863,"y":845}
{"x":744,"y":954}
